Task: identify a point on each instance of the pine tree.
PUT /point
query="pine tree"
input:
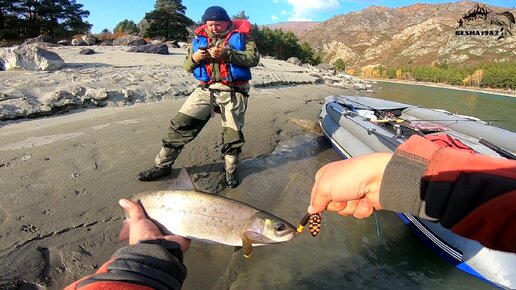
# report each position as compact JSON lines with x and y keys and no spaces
{"x":126,"y":26}
{"x":30,"y":18}
{"x":9,"y":22}
{"x":240,"y":15}
{"x":168,"y":20}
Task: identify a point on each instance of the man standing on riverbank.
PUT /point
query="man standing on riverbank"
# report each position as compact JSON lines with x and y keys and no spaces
{"x":221,"y":56}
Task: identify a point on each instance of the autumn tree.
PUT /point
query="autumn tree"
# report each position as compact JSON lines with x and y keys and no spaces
{"x":339,"y":64}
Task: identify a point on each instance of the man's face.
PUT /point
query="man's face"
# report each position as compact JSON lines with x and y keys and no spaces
{"x":217,"y":27}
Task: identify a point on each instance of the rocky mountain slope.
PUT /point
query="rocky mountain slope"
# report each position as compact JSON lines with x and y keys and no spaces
{"x":296,"y":27}
{"x":420,"y":34}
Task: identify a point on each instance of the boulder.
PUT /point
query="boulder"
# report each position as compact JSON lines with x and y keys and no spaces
{"x":63,"y":42}
{"x":39,"y":39}
{"x":86,"y":51}
{"x":106,"y":42}
{"x":30,"y":58}
{"x":78,"y":42}
{"x":89,"y":39}
{"x":294,"y":60}
{"x":183,"y":44}
{"x":129,"y":40}
{"x":150,"y":48}
{"x":325,"y":67}
{"x":359,"y":87}
{"x":155,"y":42}
{"x":172,"y":44}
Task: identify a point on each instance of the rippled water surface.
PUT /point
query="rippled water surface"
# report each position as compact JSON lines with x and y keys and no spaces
{"x":500,"y":110}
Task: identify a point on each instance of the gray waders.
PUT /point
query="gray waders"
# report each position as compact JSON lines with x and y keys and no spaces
{"x":189,"y":121}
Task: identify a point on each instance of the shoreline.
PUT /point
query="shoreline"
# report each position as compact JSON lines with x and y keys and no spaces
{"x":506,"y":93}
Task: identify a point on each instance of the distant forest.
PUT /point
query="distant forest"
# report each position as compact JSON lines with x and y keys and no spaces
{"x":494,"y":75}
{"x":21,"y":19}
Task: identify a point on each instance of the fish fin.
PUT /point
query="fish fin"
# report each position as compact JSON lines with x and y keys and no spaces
{"x":247,"y":245}
{"x":182,"y":181}
{"x":124,"y":232}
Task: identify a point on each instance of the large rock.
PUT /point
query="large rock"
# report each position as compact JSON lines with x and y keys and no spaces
{"x":326,"y":68}
{"x":172,"y":44}
{"x":129,"y":40}
{"x":30,"y":58}
{"x":86,"y":51}
{"x":89,"y":39}
{"x":294,"y":60}
{"x":150,"y":48}
{"x":64,"y":42}
{"x":182,"y":44}
{"x":106,"y":42}
{"x":78,"y":42}
{"x":39,"y":39}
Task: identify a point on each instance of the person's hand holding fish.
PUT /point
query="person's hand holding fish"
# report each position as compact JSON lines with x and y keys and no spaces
{"x":350,"y":187}
{"x":209,"y":218}
{"x":141,"y":228}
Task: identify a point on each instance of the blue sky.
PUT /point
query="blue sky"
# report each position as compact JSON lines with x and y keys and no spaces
{"x":108,"y":13}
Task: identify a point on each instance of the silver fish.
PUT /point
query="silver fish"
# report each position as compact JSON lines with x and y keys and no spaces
{"x":211,"y":218}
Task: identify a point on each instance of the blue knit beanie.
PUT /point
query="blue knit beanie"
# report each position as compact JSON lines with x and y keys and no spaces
{"x":215,"y":13}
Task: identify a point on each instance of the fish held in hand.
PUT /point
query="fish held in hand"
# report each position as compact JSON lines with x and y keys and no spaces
{"x":211,"y":218}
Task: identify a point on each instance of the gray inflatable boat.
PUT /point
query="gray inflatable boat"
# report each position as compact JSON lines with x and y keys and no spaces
{"x":361,"y":125}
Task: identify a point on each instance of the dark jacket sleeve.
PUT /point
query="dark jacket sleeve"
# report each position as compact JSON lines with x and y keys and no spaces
{"x":471,"y":194}
{"x":248,"y":58}
{"x":138,"y":267}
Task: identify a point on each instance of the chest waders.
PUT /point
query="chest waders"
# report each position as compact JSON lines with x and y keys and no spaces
{"x":197,"y":110}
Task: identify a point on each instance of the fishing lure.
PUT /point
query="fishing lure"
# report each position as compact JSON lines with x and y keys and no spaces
{"x":313,"y":221}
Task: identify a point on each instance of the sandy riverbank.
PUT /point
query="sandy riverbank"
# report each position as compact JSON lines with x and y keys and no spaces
{"x":114,"y":77}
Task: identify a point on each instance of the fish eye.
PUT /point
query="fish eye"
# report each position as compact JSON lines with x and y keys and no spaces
{"x":279,"y":227}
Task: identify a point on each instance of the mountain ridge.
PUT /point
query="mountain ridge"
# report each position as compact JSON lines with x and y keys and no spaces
{"x":417,"y":34}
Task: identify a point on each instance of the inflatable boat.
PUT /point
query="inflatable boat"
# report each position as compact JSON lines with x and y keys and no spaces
{"x":362,"y":125}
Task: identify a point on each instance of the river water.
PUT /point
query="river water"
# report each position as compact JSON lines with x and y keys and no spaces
{"x":375,"y":253}
{"x":498,"y":109}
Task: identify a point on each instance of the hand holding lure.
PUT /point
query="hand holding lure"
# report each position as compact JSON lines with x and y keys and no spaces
{"x":313,"y":221}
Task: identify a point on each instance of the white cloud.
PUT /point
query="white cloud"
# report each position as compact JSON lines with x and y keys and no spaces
{"x":303,"y":10}
{"x":275,"y":1}
{"x":284,"y":12}
{"x":274,"y":17}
